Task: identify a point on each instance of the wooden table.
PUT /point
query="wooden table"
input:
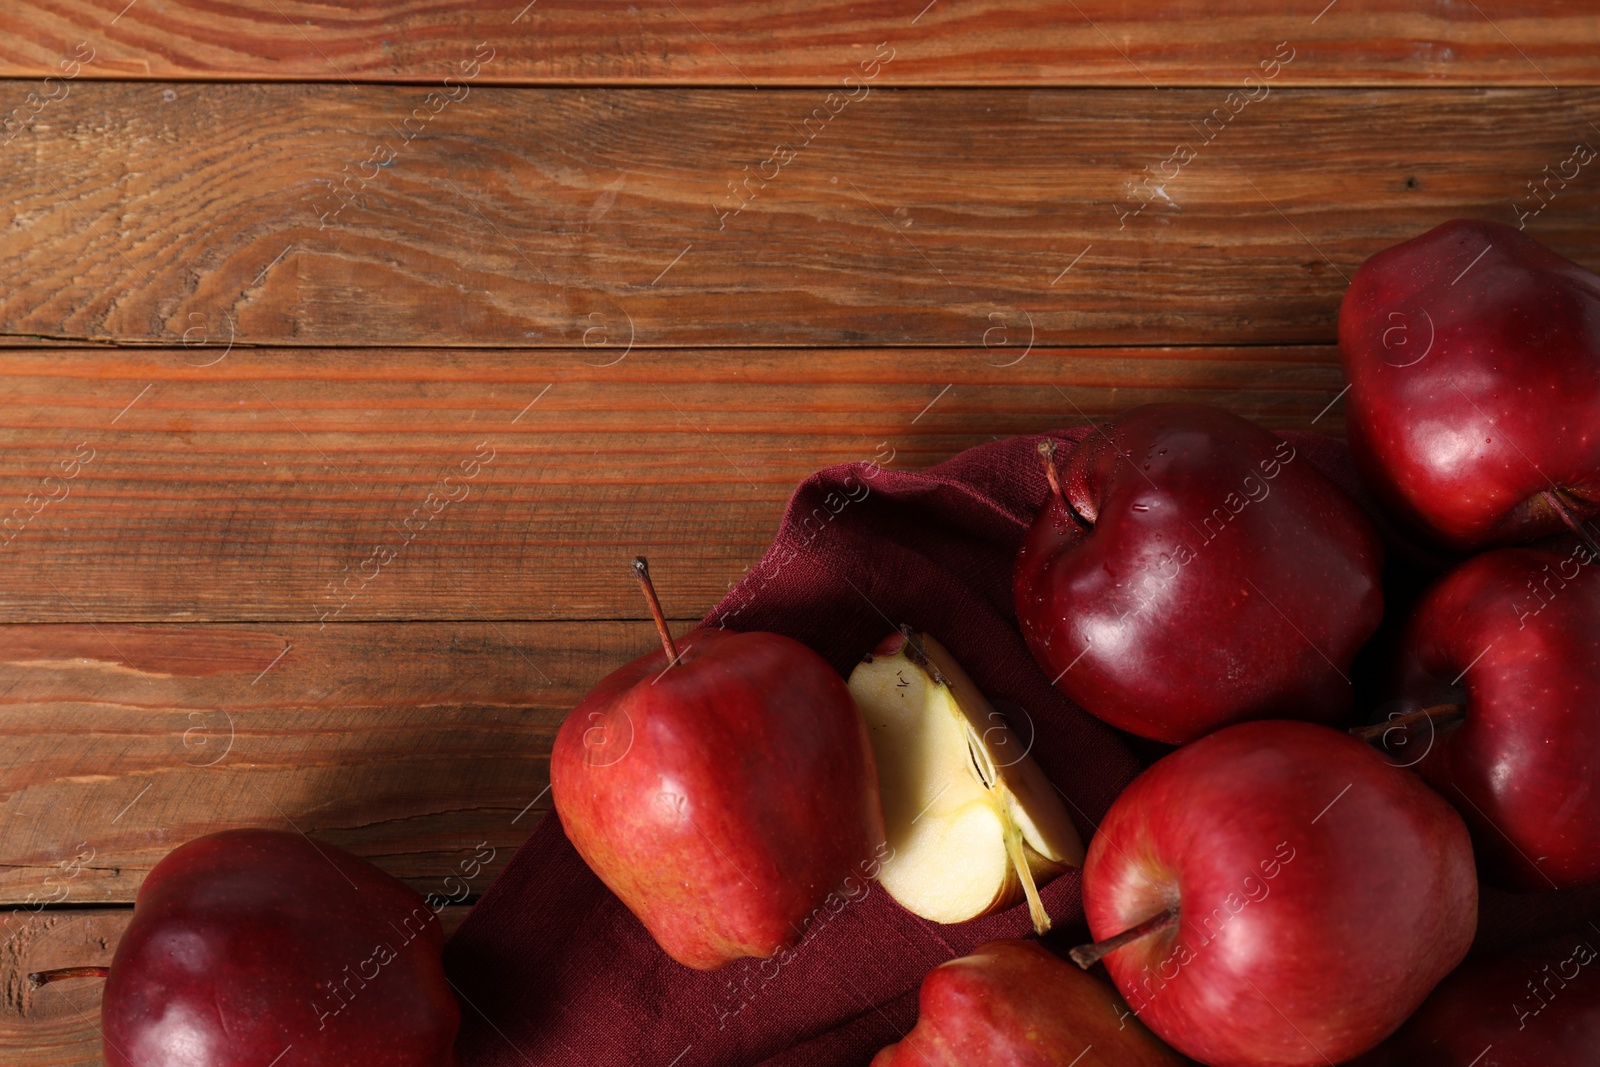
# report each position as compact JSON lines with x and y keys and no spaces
{"x":274,"y":269}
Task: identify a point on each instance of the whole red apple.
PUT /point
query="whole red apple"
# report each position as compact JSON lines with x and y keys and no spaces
{"x":1532,"y":1007}
{"x":1288,"y":897}
{"x":250,"y":945}
{"x":1511,"y":640}
{"x":1190,"y":569}
{"x":1473,"y":355}
{"x":721,"y":791}
{"x":1014,"y":1003}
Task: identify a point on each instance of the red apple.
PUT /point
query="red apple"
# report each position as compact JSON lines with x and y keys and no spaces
{"x":722,"y":790}
{"x":1284,"y":896}
{"x":250,"y":945}
{"x":1015,"y":1004}
{"x":1473,"y":355}
{"x":1532,"y":1007}
{"x":1511,"y":640}
{"x":1191,"y":570}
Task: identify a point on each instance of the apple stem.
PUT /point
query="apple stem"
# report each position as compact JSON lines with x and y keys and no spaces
{"x":641,"y":571}
{"x":1087,"y":956}
{"x":1561,"y":509}
{"x":44,"y":978}
{"x":1047,"y":451}
{"x":1019,"y":860}
{"x":1439,"y":714}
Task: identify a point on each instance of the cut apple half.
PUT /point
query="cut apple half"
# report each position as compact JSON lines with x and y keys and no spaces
{"x":973,"y":824}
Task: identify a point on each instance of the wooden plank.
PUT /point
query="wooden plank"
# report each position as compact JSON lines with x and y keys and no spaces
{"x":527,"y":217}
{"x":793,"y":42}
{"x":58,"y":1026}
{"x":412,"y":745}
{"x":295,"y":485}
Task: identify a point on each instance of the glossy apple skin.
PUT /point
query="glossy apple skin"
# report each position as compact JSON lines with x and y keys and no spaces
{"x":1017,"y":1004}
{"x":1534,"y":1007}
{"x":238,"y":942}
{"x":1474,"y":383}
{"x":1223,"y":578}
{"x":1520,"y":629}
{"x":1315,"y":883}
{"x":724,"y":799}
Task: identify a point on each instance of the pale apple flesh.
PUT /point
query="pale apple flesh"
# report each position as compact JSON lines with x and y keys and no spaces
{"x":973,"y":825}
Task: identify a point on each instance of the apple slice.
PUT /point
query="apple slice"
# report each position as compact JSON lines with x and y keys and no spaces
{"x":973,"y":824}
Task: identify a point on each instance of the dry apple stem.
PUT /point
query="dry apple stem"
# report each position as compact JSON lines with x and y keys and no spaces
{"x":44,"y":978}
{"x":1554,"y":500}
{"x":1438,"y":715}
{"x":1087,"y":956}
{"x":1047,"y":450}
{"x":641,"y":571}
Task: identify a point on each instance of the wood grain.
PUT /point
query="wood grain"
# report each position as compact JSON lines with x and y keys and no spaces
{"x":239,"y":589}
{"x":293,"y":486}
{"x":412,"y":746}
{"x":58,"y":1026}
{"x":793,"y":42}
{"x":527,"y":217}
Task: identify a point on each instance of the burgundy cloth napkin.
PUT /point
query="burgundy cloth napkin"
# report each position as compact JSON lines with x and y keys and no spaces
{"x":553,"y":970}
